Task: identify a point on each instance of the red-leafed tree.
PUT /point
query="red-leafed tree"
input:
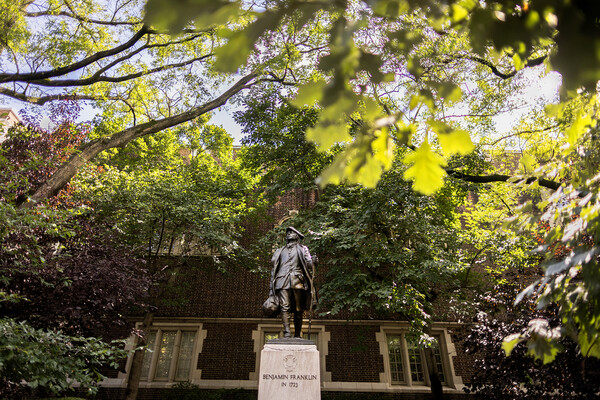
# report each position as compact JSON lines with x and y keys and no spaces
{"x":69,"y":270}
{"x":63,"y":274}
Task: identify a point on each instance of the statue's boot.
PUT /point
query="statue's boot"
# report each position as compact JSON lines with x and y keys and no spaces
{"x":285,"y":317}
{"x":298,"y":325}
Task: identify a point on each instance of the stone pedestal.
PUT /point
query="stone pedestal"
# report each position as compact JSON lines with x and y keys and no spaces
{"x":289,"y":370}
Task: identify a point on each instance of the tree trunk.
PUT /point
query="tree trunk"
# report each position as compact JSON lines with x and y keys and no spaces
{"x":135,"y":371}
{"x":434,"y":376}
{"x":435,"y":383}
{"x":65,"y":172}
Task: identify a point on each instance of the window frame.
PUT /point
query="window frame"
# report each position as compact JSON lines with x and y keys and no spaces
{"x":179,"y":328}
{"x":446,"y":352}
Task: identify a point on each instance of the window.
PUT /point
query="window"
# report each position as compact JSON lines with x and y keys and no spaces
{"x":170,"y":356}
{"x":270,"y":336}
{"x":406,"y":360}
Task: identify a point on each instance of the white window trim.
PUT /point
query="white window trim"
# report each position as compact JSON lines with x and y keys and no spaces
{"x":322,"y":345}
{"x":195,"y":374}
{"x":447,"y":350}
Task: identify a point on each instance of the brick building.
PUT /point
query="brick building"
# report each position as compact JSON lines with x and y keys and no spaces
{"x":213,"y":339}
{"x":8,"y":118}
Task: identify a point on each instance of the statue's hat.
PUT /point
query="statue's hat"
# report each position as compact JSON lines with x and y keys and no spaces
{"x":291,"y":228}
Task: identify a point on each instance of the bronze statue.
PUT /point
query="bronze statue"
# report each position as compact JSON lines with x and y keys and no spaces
{"x":292,"y":281}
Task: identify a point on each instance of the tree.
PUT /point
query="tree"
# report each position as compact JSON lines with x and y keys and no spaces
{"x":276,"y":146}
{"x":372,"y":47}
{"x":81,"y":50}
{"x":399,"y":64}
{"x":41,"y":359}
{"x":571,"y":375}
{"x":170,"y":196}
{"x":73,"y":272}
{"x":63,"y":279}
{"x":386,"y":251}
{"x":365,"y":39}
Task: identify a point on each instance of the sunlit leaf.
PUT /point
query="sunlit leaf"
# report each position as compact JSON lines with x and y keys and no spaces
{"x":309,"y":93}
{"x":581,"y":123}
{"x":528,"y":163}
{"x":518,"y":62}
{"x":450,"y":92}
{"x":241,"y":43}
{"x":589,"y":348}
{"x":456,"y":142}
{"x":509,"y":343}
{"x":326,"y":134}
{"x":458,"y":13}
{"x":363,"y":161}
{"x":543,"y":349}
{"x":174,"y":16}
{"x":426,"y":170}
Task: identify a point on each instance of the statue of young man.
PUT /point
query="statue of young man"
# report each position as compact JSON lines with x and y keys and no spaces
{"x":292,"y":281}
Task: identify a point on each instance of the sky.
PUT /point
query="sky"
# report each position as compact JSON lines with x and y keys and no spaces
{"x":544,"y":89}
{"x":224,"y":118}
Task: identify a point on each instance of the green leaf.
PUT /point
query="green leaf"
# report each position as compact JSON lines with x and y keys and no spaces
{"x":241,"y":43}
{"x":309,"y":93}
{"x":456,"y":142}
{"x":528,"y":163}
{"x":174,"y":16}
{"x":589,"y":348}
{"x":543,"y":349}
{"x":458,"y":13}
{"x":426,"y":170}
{"x":509,"y":342}
{"x":390,"y":8}
{"x":582,"y":122}
{"x":450,"y":92}
{"x":518,"y":62}
{"x":414,"y":102}
{"x":383,"y":149}
{"x":362,"y":162}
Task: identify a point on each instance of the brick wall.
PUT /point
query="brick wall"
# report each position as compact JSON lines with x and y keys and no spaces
{"x":205,"y":290}
{"x":228,"y":352}
{"x":354,"y":354}
{"x":463,"y":362}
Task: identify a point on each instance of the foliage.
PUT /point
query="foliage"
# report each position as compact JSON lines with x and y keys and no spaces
{"x":383,"y":74}
{"x":59,"y":271}
{"x":568,"y":222}
{"x":487,"y":245}
{"x":519,"y":376}
{"x":166,"y":200}
{"x":276,"y":146}
{"x":70,"y":272}
{"x":378,"y":250}
{"x":100,"y":55}
{"x":50,"y":359}
{"x":364,"y":39}
{"x":189,"y":391}
{"x":31,"y":154}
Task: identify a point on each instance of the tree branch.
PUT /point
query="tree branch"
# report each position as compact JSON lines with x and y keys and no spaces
{"x":530,"y":63}
{"x":501,"y":178}
{"x":33,"y":76}
{"x":49,"y":13}
{"x":142,"y":48}
{"x":45,"y":99}
{"x":87,"y":152}
{"x":114,"y":79}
